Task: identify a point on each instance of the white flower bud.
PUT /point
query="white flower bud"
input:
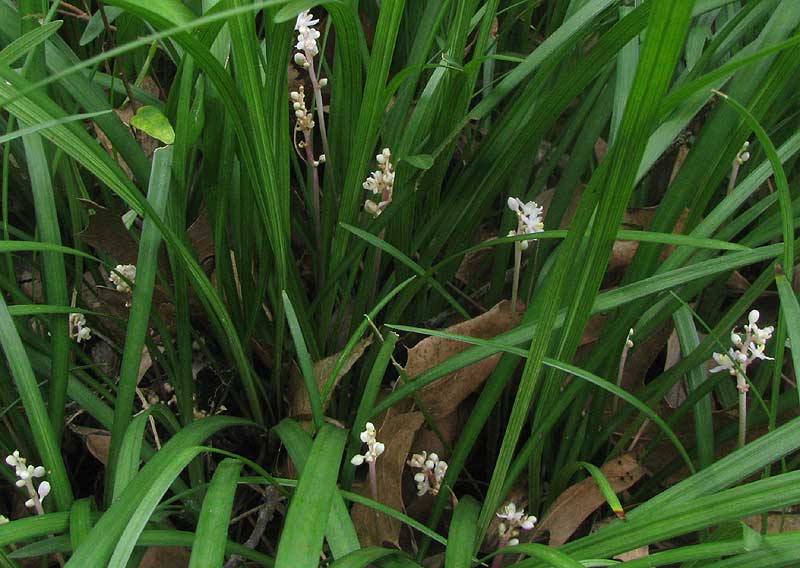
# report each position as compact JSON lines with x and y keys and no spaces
{"x":44,"y":490}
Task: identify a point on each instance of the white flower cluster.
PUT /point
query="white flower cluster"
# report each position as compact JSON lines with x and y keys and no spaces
{"x":307,"y":36}
{"x":116,"y":277}
{"x":304,"y":119}
{"x":530,"y":219}
{"x":513,"y":522}
{"x":380,"y":182}
{"x":26,"y":474}
{"x":744,"y":351}
{"x":374,"y":448}
{"x":429,"y":480}
{"x":78,"y":330}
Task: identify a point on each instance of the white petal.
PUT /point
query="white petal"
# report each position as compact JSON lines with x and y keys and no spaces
{"x":44,"y":490}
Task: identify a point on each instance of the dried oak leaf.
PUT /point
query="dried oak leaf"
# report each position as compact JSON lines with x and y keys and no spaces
{"x":397,"y":431}
{"x":574,"y":506}
{"x":444,"y":395}
{"x":298,"y":397}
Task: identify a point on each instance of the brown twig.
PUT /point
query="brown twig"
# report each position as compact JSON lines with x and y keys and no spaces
{"x":265,"y":514}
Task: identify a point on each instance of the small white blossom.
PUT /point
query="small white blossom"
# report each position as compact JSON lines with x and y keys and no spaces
{"x":514,"y":520}
{"x":26,"y":474}
{"x":42,"y":492}
{"x":745,"y":350}
{"x":429,"y":480}
{"x":759,"y":336}
{"x":724,"y":363}
{"x":529,"y":219}
{"x":128,"y":271}
{"x":757,"y":352}
{"x":374,"y":448}
{"x":78,"y":330}
{"x":380,"y":182}
{"x":305,"y":19}
{"x":307,"y":37}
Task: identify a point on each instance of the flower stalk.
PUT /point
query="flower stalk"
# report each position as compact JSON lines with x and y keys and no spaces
{"x":374,"y":449}
{"x":744,"y":351}
{"x":529,"y":221}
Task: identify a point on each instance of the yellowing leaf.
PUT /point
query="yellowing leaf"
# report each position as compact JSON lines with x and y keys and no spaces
{"x":152,"y":122}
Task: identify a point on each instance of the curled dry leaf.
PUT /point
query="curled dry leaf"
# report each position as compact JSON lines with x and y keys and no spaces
{"x":97,"y":441}
{"x":444,"y":395}
{"x":298,"y":396}
{"x":397,"y":431}
{"x":574,"y":506}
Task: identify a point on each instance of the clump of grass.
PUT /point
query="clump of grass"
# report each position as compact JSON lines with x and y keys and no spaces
{"x":149,"y":280}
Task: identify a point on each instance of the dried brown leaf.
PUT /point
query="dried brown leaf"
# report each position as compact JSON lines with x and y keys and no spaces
{"x":201,"y":237}
{"x":634,"y":554}
{"x":397,"y":431}
{"x":443,"y":396}
{"x":97,"y":441}
{"x":677,"y":393}
{"x":298,"y":396}
{"x":642,"y":357}
{"x":776,"y":523}
{"x":574,"y":506}
{"x":165,"y":557}
{"x":107,"y":233}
